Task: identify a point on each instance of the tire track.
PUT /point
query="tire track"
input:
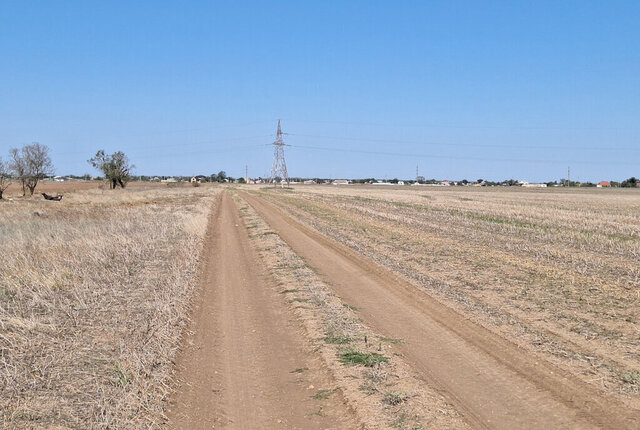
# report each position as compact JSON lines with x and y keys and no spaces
{"x":492,"y":382}
{"x":235,"y":369}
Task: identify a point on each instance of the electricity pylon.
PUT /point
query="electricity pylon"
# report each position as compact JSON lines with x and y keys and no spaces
{"x":279,"y":168}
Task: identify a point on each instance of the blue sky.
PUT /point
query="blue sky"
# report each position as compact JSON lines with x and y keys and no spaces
{"x":494,"y":89}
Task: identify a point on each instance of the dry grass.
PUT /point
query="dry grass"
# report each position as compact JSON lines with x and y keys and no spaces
{"x":375,"y":381}
{"x":94,"y":294}
{"x":554,"y":270}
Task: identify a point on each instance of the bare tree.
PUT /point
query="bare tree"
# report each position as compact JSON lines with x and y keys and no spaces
{"x":18,"y":166}
{"x":30,"y":164}
{"x":116,"y":167}
{"x":5,"y":176}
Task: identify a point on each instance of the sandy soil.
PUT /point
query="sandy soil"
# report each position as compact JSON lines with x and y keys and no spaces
{"x":491,"y":381}
{"x":238,"y":366}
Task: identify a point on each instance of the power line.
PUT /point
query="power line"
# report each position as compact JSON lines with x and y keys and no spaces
{"x":464,"y":126}
{"x":469,"y":145}
{"x":445,"y":157}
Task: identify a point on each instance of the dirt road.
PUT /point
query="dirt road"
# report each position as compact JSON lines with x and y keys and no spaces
{"x":238,"y":368}
{"x":491,"y":381}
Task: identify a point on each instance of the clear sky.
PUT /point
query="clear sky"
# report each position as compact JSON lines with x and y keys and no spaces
{"x":464,"y":89}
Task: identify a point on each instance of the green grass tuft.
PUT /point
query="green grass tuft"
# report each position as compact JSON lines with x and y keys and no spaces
{"x":338,"y":340}
{"x":353,"y":357}
{"x":324,"y":394}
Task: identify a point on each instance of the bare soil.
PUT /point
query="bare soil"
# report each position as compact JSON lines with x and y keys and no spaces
{"x":490,"y":380}
{"x":246,"y":364}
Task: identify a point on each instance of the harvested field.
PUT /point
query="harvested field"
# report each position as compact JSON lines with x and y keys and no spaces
{"x":554,"y":271}
{"x":320,"y":307}
{"x":94,"y":295}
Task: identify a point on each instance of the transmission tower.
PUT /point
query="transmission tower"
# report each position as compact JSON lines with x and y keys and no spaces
{"x":279,"y":168}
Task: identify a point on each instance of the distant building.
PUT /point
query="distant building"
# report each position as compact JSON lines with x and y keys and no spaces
{"x":341,"y":182}
{"x":603,"y":184}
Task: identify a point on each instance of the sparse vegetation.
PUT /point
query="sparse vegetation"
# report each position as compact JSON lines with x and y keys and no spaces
{"x":338,"y":340}
{"x":394,"y":398}
{"x":360,"y":358}
{"x":553,"y":269}
{"x":324,"y":394}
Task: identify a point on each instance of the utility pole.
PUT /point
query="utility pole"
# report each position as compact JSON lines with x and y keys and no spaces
{"x":279,"y":168}
{"x":246,"y":174}
{"x":416,"y":173}
{"x":569,"y":176}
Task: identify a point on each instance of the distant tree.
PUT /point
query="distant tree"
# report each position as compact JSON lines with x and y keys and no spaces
{"x":116,"y":167}
{"x":30,"y":164}
{"x":241,"y":181}
{"x":5,"y":176}
{"x":631,"y":182}
{"x":222,"y":175}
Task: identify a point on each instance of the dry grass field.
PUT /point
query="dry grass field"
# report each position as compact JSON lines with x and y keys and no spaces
{"x":94,"y":295}
{"x":555,"y":271}
{"x":319,"y":307}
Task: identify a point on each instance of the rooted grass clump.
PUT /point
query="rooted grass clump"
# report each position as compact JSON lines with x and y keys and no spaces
{"x":338,"y":340}
{"x":324,"y":394}
{"x":394,"y":398}
{"x":354,"y":357}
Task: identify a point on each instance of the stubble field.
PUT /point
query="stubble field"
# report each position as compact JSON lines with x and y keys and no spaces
{"x":362,"y":307}
{"x":555,"y":271}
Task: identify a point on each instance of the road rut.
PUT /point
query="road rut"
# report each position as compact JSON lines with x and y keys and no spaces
{"x":491,"y":381}
{"x":236,"y":368}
